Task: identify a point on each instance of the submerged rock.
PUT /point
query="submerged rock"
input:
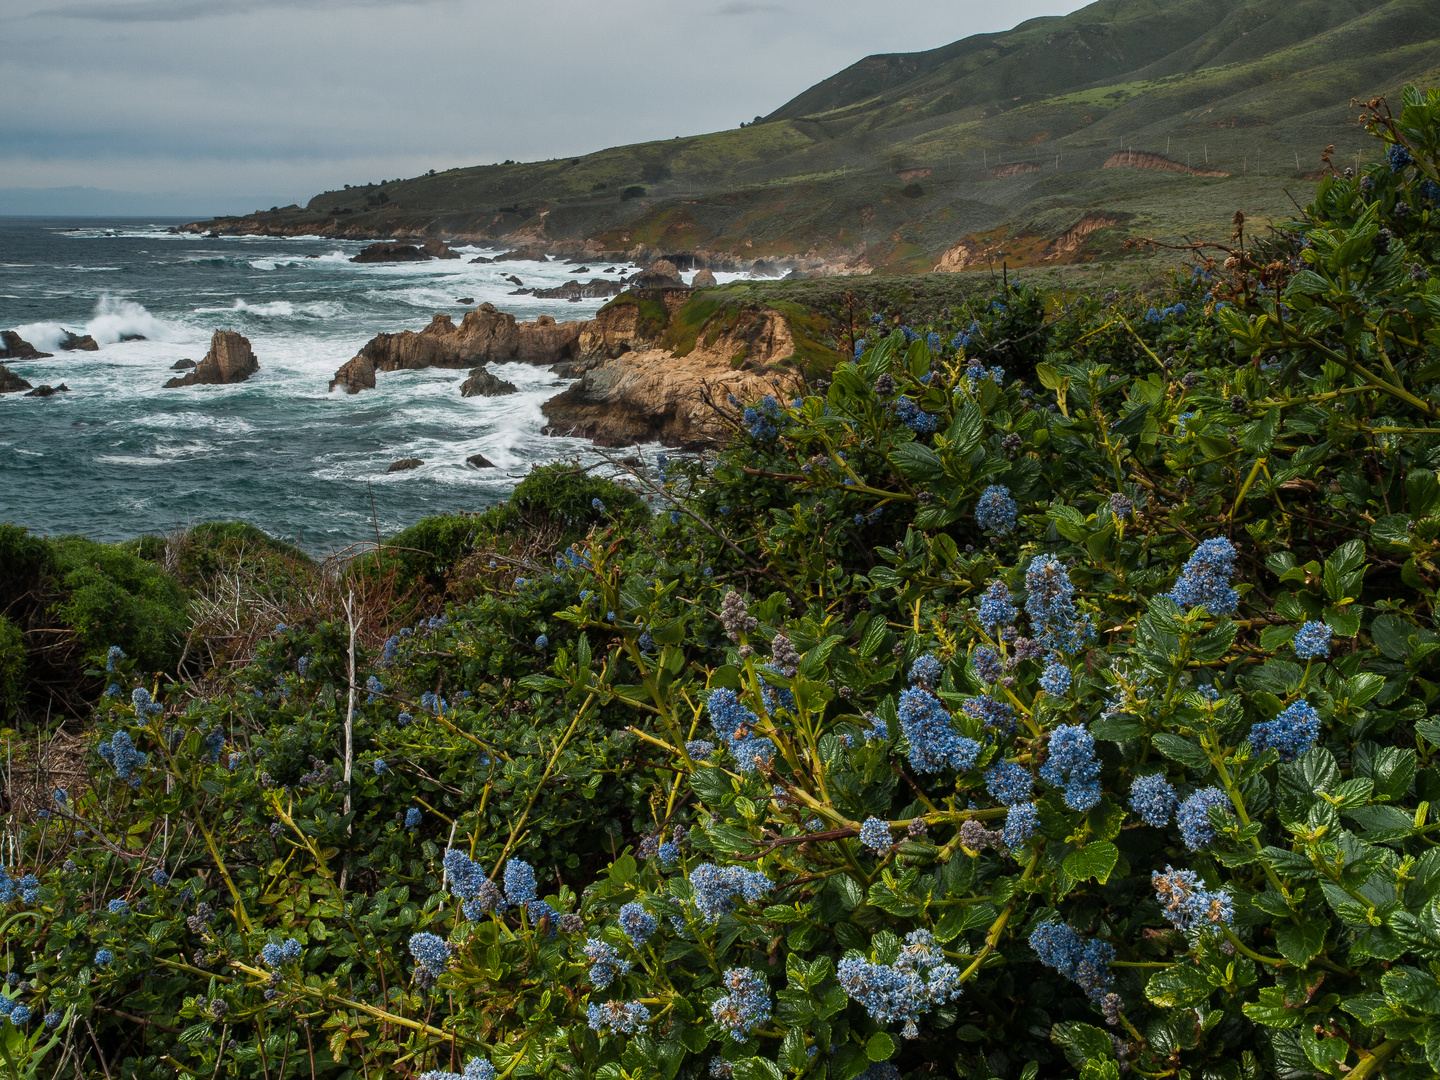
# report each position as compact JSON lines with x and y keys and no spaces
{"x":14,"y":347}
{"x":386,"y":252}
{"x":10,"y":383}
{"x":47,"y":391}
{"x":182,"y":365}
{"x":438,"y":249}
{"x":479,"y":461}
{"x":482,"y":383}
{"x":405,"y":463}
{"x":74,"y":342}
{"x":230,"y":360}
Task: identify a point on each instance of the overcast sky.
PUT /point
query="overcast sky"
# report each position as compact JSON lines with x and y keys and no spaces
{"x":229,"y":104}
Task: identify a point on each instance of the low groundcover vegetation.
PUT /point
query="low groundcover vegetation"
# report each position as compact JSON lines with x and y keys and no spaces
{"x":1044,"y":693}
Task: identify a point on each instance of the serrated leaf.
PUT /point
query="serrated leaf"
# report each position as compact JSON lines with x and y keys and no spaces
{"x":1094,"y":860}
{"x":880,"y":1047}
{"x":1300,"y":942}
{"x":1180,"y":749}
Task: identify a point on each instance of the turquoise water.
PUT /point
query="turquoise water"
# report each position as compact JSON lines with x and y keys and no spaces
{"x":120,"y":456}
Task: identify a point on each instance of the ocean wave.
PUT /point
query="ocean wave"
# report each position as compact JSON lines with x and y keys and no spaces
{"x":112,"y":319}
{"x":281,"y":309}
{"x":274,"y":262}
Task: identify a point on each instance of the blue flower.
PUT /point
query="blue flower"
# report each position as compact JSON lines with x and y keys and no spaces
{"x":380,"y":767}
{"x":997,"y":608}
{"x":639,"y":925}
{"x":119,"y":907}
{"x":52,"y":1019}
{"x":925,"y":671}
{"x":932,"y":341}
{"x":1186,"y":903}
{"x":434,"y":704}
{"x":1020,"y":824}
{"x":735,"y":725}
{"x":160,"y":877}
{"x":934,"y":743}
{"x":1056,"y":679}
{"x":996,"y":510}
{"x":430,"y":952}
{"x":761,"y":420}
{"x":121,"y":753}
{"x":875,"y":835}
{"x":20,"y":1016}
{"x":914,"y":417}
{"x":113,"y":658}
{"x":1084,"y":961}
{"x":404,"y":719}
{"x":477,"y":893}
{"x":860,"y":345}
{"x":1009,"y":782}
{"x":605,"y":963}
{"x":597,"y":505}
{"x":375,"y":686}
{"x":699,"y":749}
{"x":1193,"y":817}
{"x":519,"y":882}
{"x":1072,"y":765}
{"x":1154,"y":799}
{"x":918,"y":980}
{"x":987,"y":664}
{"x":412,"y":817}
{"x":1292,"y":732}
{"x":144,"y":706}
{"x":717,"y":888}
{"x":746,"y":1006}
{"x":542,"y":642}
{"x":990,"y":712}
{"x":626,"y":1017}
{"x":104,"y":958}
{"x":1397,"y":157}
{"x":1205,"y":580}
{"x":1050,"y":603}
{"x":61,"y":796}
{"x":1312,"y":641}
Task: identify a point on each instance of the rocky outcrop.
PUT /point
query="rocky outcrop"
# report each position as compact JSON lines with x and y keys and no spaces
{"x":703,"y":279}
{"x":405,"y":464}
{"x":182,"y":365}
{"x":230,"y":360}
{"x":595,"y":288}
{"x":479,"y":461}
{"x":386,"y":252}
{"x":73,"y":342}
{"x":651,"y":395}
{"x":438,"y":249}
{"x":48,"y":391}
{"x":660,"y":275}
{"x":11,"y":383}
{"x":14,"y":347}
{"x":482,"y":383}
{"x":523,"y":254}
{"x":484,"y":335}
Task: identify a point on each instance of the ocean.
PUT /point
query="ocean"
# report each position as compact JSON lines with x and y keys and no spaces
{"x":119,"y":455}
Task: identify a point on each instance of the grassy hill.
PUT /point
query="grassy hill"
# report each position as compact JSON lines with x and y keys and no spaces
{"x":999,"y":141}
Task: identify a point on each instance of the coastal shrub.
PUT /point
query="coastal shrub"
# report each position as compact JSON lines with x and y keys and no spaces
{"x":944,"y":722}
{"x":12,"y":668}
{"x":109,"y":596}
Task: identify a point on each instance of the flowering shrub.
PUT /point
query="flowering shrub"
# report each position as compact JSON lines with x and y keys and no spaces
{"x":1059,"y":737}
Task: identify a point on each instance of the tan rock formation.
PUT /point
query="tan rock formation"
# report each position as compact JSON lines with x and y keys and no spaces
{"x":650,"y":394}
{"x":74,"y":342}
{"x":405,"y":464}
{"x":660,"y":275}
{"x":703,"y":279}
{"x":230,"y":360}
{"x":14,"y":347}
{"x":438,"y":249}
{"x":482,"y":383}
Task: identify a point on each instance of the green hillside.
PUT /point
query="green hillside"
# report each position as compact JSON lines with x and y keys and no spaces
{"x":999,"y":138}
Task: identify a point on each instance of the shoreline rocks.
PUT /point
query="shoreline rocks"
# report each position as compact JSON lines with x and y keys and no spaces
{"x":48,"y":390}
{"x":74,"y":342}
{"x":479,"y":461}
{"x":10,"y":383}
{"x":230,"y":360}
{"x":385,"y":252}
{"x":14,"y":347}
{"x":405,"y":464}
{"x":482,"y":383}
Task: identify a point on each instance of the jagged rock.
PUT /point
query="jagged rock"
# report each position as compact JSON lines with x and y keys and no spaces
{"x":484,"y":335}
{"x":514,"y":280}
{"x":47,"y":391}
{"x":389,"y":252}
{"x":523,"y":254}
{"x":439,"y":249}
{"x":581,"y":270}
{"x":763,"y":269}
{"x":14,"y":347}
{"x":479,"y":461}
{"x":660,"y":275}
{"x":74,"y":342}
{"x":795,"y":275}
{"x":466,"y":300}
{"x":182,"y":365}
{"x":481,"y":259}
{"x":10,"y":382}
{"x":482,"y":383}
{"x":133,"y":337}
{"x":595,"y":288}
{"x":230,"y":360}
{"x":703,"y":279}
{"x":405,"y":463}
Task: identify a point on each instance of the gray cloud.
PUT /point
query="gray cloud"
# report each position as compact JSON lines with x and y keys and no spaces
{"x":141,"y":11}
{"x":740,"y":7}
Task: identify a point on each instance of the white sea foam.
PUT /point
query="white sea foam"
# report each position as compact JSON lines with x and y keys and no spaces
{"x":283,"y":309}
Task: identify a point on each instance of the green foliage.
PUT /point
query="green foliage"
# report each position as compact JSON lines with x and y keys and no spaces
{"x":12,"y":667}
{"x":113,"y":597}
{"x":956,"y":644}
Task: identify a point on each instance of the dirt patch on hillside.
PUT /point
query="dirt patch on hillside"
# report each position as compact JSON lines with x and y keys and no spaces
{"x":1000,"y":172}
{"x":1139,"y":159}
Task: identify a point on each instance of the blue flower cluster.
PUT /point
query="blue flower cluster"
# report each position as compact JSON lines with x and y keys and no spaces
{"x":475,"y":1069}
{"x":1072,"y":765}
{"x":19,"y":1014}
{"x":976,"y":373}
{"x":1154,"y":799}
{"x":904,"y":991}
{"x":519,"y":882}
{"x":121,"y":753}
{"x":997,"y":607}
{"x":762,"y":419}
{"x":412,"y":818}
{"x":987,"y":664}
{"x":1205,"y":580}
{"x":113,"y":658}
{"x":1176,"y":310}
{"x":597,"y":505}
{"x":605,"y":963}
{"x":1020,"y":824}
{"x":276,"y":954}
{"x":1050,"y":603}
{"x":477,"y":893}
{"x":1084,"y":961}
{"x":430,"y":952}
{"x":716,"y":888}
{"x":875,"y":835}
{"x":542,"y":642}
{"x":746,"y":1006}
{"x":1009,"y":782}
{"x":699,"y":749}
{"x":118,"y":907}
{"x":996,"y":510}
{"x":434,"y":704}
{"x":639,"y":925}
{"x":934,"y":743}
{"x":991,"y":712}
{"x":103,"y":958}
{"x":26,"y":888}
{"x":1291,"y":733}
{"x":914,"y":417}
{"x":1056,"y":679}
{"x":1397,"y":157}
{"x":145,"y":707}
{"x":625,"y":1017}
{"x":1193,"y":817}
{"x":1186,"y":903}
{"x":926,"y":670}
{"x":735,"y":725}
{"x":1312,"y":641}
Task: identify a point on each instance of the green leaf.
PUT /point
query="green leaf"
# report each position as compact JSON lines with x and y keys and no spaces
{"x":1258,"y":439}
{"x":1094,"y":860}
{"x":1117,"y":727}
{"x":1271,"y":1009}
{"x":1049,"y":377}
{"x":1178,"y":987}
{"x":1391,"y":635}
{"x":1132,"y":423}
{"x":880,"y":1047}
{"x":1301,"y":942}
{"x":1412,"y":989}
{"x":848,"y":1062}
{"x":757,"y":1068}
{"x":1182,"y":750}
{"x":916,"y":461}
